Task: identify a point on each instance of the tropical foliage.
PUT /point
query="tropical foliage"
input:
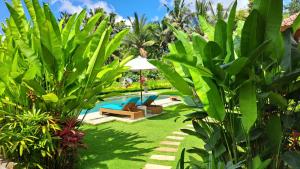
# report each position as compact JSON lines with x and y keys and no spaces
{"x":49,"y":72}
{"x":246,"y":94}
{"x":293,"y":7}
{"x":140,"y":37}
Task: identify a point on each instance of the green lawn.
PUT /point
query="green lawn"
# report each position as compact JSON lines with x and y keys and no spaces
{"x":118,"y":145}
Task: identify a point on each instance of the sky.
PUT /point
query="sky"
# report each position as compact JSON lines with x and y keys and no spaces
{"x":153,"y":9}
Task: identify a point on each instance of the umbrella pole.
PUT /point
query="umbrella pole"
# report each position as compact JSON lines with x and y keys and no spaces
{"x":141,"y":86}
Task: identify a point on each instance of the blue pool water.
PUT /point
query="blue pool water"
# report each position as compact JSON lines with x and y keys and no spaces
{"x":115,"y":100}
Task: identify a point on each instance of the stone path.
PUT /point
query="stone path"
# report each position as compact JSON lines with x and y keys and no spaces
{"x":170,"y":145}
{"x":163,"y":157}
{"x":167,"y":149}
{"x":189,"y":125}
{"x":179,"y":133}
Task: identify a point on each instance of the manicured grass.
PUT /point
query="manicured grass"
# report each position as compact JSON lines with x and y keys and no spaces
{"x":117,"y":145}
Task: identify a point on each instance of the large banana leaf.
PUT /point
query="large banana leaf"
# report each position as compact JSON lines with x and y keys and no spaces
{"x":206,"y":28}
{"x":67,"y":30}
{"x":252,"y":33}
{"x":230,"y":28}
{"x":199,"y":43}
{"x":220,"y":37}
{"x":248,"y":105}
{"x":209,"y":95}
{"x":115,"y":43}
{"x":88,"y":28}
{"x":271,"y":11}
{"x":174,"y":78}
{"x":19,"y":17}
{"x":286,"y":61}
{"x":192,"y":65}
{"x":274,"y":133}
{"x":184,"y":40}
{"x":236,"y":66}
{"x":94,"y":64}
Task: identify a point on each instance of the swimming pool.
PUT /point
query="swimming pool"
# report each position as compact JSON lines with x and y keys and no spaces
{"x":117,"y":100}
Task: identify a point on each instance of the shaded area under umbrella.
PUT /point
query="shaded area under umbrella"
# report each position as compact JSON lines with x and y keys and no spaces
{"x":138,"y":65}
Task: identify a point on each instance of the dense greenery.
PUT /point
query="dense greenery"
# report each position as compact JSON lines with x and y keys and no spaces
{"x":246,"y":94}
{"x":135,"y":86}
{"x":49,"y":72}
{"x":293,"y":7}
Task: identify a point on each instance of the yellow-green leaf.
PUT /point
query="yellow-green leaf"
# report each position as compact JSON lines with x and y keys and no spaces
{"x":50,"y":97}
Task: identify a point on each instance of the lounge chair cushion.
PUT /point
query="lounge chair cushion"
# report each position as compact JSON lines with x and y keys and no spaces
{"x":147,"y":100}
{"x":113,"y":106}
{"x":122,"y":105}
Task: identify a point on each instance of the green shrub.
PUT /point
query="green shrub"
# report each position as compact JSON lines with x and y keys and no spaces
{"x":27,"y":137}
{"x":135,"y":86}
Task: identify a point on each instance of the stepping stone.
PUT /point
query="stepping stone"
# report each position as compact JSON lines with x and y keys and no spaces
{"x":170,"y":143}
{"x":155,"y":166}
{"x":166,"y":149}
{"x":175,"y":138}
{"x":179,"y":133}
{"x":163,"y":157}
{"x":190,"y":125}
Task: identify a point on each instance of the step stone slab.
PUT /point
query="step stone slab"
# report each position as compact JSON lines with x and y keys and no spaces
{"x":155,"y":166}
{"x":163,"y":157}
{"x":175,"y":138}
{"x":179,"y":133}
{"x":167,"y":149}
{"x":171,"y":143}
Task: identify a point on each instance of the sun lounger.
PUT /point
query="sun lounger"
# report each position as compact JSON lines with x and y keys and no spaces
{"x":147,"y":101}
{"x":154,"y":109}
{"x":127,"y":108}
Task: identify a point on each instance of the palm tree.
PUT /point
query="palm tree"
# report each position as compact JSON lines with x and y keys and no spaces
{"x":205,"y":8}
{"x":180,"y":15}
{"x":293,"y":7}
{"x":140,"y":37}
{"x":202,"y":8}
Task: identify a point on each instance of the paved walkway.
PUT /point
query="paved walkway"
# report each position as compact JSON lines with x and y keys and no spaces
{"x":170,"y":145}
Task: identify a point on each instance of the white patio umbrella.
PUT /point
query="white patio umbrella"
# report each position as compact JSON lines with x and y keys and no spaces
{"x":138,"y":65}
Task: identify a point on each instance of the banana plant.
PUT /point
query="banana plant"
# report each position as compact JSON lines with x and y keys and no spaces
{"x":247,"y":91}
{"x":63,"y":67}
{"x":55,"y":68}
